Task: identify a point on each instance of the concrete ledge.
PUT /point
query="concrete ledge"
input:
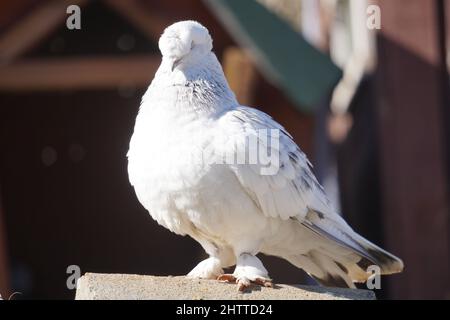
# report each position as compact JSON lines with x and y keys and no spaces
{"x":134,"y":287}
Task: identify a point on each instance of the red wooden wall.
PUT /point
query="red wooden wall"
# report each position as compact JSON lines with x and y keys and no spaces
{"x":414,"y":164}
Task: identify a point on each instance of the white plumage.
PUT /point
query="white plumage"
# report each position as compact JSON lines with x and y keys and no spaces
{"x":188,"y":123}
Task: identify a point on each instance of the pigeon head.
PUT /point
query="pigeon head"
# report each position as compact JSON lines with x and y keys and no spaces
{"x":183,"y":42}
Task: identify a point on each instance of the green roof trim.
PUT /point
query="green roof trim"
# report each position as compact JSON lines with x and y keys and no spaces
{"x":304,"y":73}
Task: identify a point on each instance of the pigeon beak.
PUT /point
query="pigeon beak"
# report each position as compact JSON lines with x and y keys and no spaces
{"x":175,"y":64}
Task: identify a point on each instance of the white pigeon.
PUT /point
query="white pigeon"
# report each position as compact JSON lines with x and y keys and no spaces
{"x":188,"y":120}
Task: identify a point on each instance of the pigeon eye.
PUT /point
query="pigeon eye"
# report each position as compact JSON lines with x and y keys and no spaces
{"x":192,"y":45}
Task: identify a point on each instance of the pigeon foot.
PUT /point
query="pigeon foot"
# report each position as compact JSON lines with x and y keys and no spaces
{"x":244,"y":283}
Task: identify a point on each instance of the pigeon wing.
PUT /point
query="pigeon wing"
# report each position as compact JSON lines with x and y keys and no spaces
{"x":292,"y":191}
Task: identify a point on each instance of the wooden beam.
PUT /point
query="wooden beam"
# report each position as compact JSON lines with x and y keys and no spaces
{"x":33,"y":28}
{"x":241,"y":74}
{"x":141,"y":17}
{"x":411,"y":135}
{"x":78,"y":73}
